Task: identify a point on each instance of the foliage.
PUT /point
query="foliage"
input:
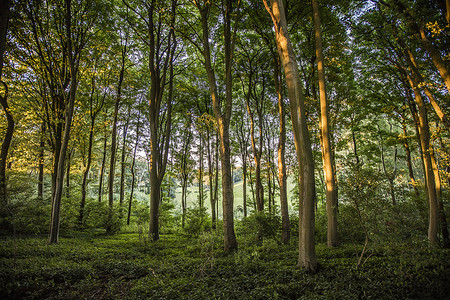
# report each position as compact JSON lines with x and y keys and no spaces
{"x":118,"y":266}
{"x":259,"y":226}
{"x":197,"y":221}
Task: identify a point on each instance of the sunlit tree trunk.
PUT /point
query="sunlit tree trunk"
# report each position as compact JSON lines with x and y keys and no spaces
{"x":427,"y":151}
{"x":286,"y":228}
{"x":307,"y":253}
{"x":434,"y":54}
{"x":442,"y":216}
{"x":330,"y":177}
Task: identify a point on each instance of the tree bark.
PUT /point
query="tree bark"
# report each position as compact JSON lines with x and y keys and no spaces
{"x":133,"y":175}
{"x":122,"y":161}
{"x":307,"y":253}
{"x":41,"y":163}
{"x":210,"y":175}
{"x":73,"y":65}
{"x":4,"y":20}
{"x":159,"y":135}
{"x":285,"y":224}
{"x":102,"y":168}
{"x":112,"y":162}
{"x":257,"y":149}
{"x":427,"y":151}
{"x":426,"y":43}
{"x":222,"y":117}
{"x":330,"y":176}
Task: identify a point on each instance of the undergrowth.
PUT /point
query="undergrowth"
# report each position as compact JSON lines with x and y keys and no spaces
{"x":125,"y":266}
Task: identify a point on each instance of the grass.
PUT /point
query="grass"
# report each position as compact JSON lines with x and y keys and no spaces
{"x":128,"y":266}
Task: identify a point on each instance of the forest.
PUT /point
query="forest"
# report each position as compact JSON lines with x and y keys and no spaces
{"x":224,"y":149}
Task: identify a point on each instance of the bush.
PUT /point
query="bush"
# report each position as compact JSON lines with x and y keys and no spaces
{"x":260,"y":225}
{"x":196,"y":221}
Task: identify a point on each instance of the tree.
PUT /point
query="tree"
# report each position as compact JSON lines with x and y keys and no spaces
{"x":327,"y":154}
{"x":222,"y":116}
{"x":4,"y":19}
{"x":161,"y":45}
{"x":94,"y":110}
{"x":112,"y":163}
{"x":307,"y":252}
{"x":73,"y":58}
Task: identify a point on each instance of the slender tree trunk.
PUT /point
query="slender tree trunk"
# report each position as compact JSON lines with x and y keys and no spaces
{"x":408,"y":156}
{"x":427,"y":151}
{"x":222,"y":118}
{"x":56,"y":203}
{"x":133,"y":176}
{"x":159,"y":132}
{"x":122,"y":161}
{"x":282,"y":178}
{"x":102,"y":168}
{"x":69,"y":161}
{"x":244,"y":184}
{"x":210,"y":175}
{"x":41,"y":163}
{"x":216,"y":180}
{"x":330,"y":177}
{"x":442,"y":216}
{"x":4,"y":20}
{"x":411,"y":62}
{"x":112,"y":162}
{"x":426,"y":43}
{"x":183,"y":202}
{"x":307,"y":253}
{"x":200,"y":173}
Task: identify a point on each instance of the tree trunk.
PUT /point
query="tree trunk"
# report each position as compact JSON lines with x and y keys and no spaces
{"x":330,"y":176}
{"x":282,"y":178}
{"x":56,"y":203}
{"x":86,"y":174}
{"x":4,"y":20}
{"x":307,"y":252}
{"x":426,"y":43}
{"x":210,"y":175}
{"x":69,"y":160}
{"x":122,"y":161}
{"x":257,"y":159}
{"x":427,"y":151}
{"x":442,"y":216}
{"x":222,"y":118}
{"x":159,"y":135}
{"x":408,"y":155}
{"x":200,"y":173}
{"x":102,"y":168}
{"x":112,"y":162}
{"x":133,"y":176}
{"x":41,"y":163}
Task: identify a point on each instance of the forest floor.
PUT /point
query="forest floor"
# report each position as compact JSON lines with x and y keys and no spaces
{"x":129,"y":266}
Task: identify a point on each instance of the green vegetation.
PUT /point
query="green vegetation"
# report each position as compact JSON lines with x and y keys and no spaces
{"x":129,"y":266}
{"x":166,"y":149}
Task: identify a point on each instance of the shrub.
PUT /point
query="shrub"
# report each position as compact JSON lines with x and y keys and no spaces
{"x":260,"y":225}
{"x":197,"y":221}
